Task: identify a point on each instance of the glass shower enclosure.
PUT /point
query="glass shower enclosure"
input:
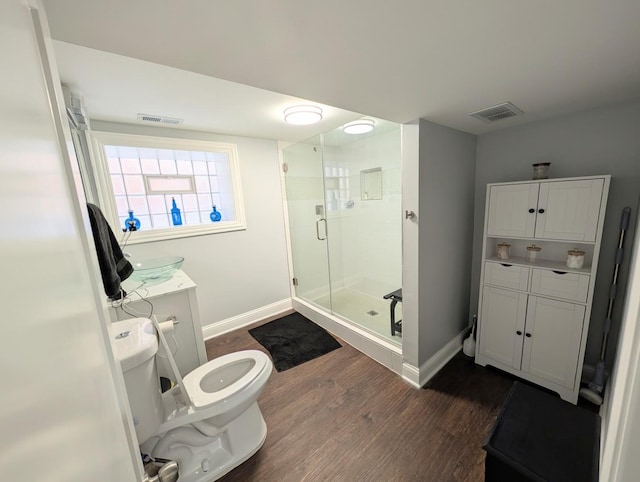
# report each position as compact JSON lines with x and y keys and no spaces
{"x":345,"y":224}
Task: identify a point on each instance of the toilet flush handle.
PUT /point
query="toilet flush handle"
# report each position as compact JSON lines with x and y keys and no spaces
{"x":409,"y":215}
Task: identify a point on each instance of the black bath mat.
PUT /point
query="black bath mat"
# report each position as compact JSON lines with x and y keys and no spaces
{"x":293,"y":340}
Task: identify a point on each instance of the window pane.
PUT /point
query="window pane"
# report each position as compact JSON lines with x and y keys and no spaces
{"x":156,"y":204}
{"x":122,"y":205}
{"x":166,"y":154}
{"x":160,"y":220}
{"x":200,"y":167}
{"x":134,"y":185}
{"x":190,"y":202}
{"x":150,"y":166}
{"x":184,"y":167}
{"x":191,"y":218}
{"x":130,"y":166}
{"x":168,"y":166}
{"x":118,"y":185}
{"x":165,"y":184}
{"x":204,"y":202}
{"x":138,"y":204}
{"x":202,"y":184}
{"x":114,"y":165}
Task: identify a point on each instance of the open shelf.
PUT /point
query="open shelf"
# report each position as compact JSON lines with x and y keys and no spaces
{"x":540,"y":263}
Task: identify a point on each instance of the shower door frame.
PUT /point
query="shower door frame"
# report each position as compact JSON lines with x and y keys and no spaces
{"x":368,"y":342}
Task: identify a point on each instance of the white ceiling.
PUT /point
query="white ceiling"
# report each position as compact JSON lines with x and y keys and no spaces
{"x":437,"y":60}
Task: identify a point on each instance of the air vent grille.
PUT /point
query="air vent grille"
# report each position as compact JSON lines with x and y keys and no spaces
{"x":497,"y":112}
{"x":158,"y":119}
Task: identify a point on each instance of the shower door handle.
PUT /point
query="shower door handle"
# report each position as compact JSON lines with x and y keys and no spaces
{"x":318,"y":228}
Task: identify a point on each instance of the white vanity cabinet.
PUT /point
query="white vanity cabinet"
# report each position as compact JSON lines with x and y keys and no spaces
{"x":533,"y":316}
{"x":175,"y":297}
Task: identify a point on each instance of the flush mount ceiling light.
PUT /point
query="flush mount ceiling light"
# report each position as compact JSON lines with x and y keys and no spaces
{"x":361,"y":126}
{"x":302,"y":115}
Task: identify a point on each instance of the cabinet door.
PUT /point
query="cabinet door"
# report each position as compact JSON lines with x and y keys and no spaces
{"x":512,"y":210}
{"x":552,"y":340}
{"x":569,"y":210}
{"x":502,"y":316}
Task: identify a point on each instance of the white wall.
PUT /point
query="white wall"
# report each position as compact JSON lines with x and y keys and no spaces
{"x":621,"y":420}
{"x":598,"y":141}
{"x":446,"y":176}
{"x":240,"y":271}
{"x":411,"y":245}
{"x":63,"y":408}
{"x":365,"y":242}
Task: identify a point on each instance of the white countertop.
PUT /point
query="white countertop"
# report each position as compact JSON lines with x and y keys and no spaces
{"x":137,"y":289}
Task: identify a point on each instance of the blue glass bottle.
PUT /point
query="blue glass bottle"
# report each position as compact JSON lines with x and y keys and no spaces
{"x":131,"y":223}
{"x":215,"y":215}
{"x":176,"y":217}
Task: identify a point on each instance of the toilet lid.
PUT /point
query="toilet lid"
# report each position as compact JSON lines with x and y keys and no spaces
{"x":194,"y":381}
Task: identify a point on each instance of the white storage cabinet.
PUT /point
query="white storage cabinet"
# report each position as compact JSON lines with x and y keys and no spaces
{"x":534,"y":315}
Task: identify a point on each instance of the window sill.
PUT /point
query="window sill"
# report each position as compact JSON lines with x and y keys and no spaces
{"x":138,"y":237}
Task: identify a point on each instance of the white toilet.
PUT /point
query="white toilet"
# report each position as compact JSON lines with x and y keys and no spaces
{"x":210,"y":422}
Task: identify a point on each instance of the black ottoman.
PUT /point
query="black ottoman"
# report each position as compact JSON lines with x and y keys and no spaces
{"x":539,"y":437}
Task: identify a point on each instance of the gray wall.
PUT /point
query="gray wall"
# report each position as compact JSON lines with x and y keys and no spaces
{"x":446,"y":183}
{"x":240,"y":271}
{"x":599,"y":141}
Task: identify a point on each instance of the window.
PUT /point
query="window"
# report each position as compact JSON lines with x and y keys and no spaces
{"x":164,"y":188}
{"x":337,"y":191}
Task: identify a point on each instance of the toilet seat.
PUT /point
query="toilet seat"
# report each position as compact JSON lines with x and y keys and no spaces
{"x":202,"y":398}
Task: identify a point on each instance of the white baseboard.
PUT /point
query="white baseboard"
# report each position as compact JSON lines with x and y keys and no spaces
{"x":419,"y":377}
{"x":411,"y":374}
{"x":244,"y":319}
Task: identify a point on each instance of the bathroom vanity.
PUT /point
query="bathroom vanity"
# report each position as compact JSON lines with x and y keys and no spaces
{"x":175,"y":297}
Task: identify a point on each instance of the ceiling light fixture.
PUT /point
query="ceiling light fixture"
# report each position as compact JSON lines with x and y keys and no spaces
{"x":361,"y":126}
{"x":302,"y":115}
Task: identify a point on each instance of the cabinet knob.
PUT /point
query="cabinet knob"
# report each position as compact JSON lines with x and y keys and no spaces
{"x":528,"y":335}
{"x":532,"y":210}
{"x":541,"y":211}
{"x":519,"y":333}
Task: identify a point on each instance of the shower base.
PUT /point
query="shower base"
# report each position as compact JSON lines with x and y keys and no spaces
{"x":369,"y":312}
{"x":380,"y":348}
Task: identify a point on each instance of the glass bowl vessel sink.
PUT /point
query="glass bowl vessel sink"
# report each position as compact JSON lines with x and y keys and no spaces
{"x":156,"y":269}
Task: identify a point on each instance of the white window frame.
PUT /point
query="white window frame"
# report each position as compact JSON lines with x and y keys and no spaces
{"x":106,"y":196}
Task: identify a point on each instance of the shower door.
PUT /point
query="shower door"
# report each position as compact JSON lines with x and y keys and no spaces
{"x":345,"y":224}
{"x":307,"y":222}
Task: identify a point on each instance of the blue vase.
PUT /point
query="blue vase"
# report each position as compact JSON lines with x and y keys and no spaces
{"x":131,"y":223}
{"x":176,"y":217}
{"x":215,"y":215}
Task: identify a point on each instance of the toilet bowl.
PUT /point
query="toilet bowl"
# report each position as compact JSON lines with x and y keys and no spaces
{"x":211,"y":422}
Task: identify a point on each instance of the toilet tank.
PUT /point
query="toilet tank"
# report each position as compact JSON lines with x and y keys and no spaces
{"x":135,"y":346}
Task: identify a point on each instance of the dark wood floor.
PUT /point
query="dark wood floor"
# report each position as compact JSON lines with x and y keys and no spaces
{"x":344,"y":417}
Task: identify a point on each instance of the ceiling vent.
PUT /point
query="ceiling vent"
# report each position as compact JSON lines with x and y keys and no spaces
{"x":158,"y":119}
{"x":497,"y":112}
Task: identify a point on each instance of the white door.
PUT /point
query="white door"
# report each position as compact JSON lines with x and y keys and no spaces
{"x":512,"y":210}
{"x":502,"y":325}
{"x":64,"y":415}
{"x":552,"y":340}
{"x":569,"y":210}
